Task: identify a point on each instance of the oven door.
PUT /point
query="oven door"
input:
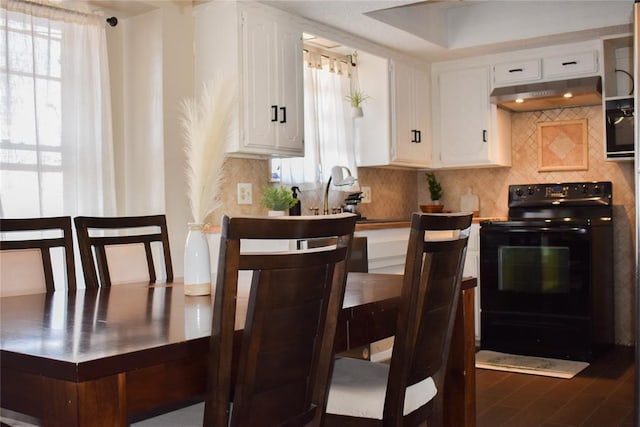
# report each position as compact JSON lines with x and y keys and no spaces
{"x":535,"y":269}
{"x":535,"y":290}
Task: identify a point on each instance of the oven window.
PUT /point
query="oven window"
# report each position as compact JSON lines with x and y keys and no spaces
{"x":534,"y":269}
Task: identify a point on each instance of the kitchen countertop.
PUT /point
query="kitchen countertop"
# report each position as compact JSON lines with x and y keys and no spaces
{"x":377,"y":224}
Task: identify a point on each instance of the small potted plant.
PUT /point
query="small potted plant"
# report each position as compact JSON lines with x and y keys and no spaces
{"x":356,"y":98}
{"x":436,"y":193}
{"x":277,"y":199}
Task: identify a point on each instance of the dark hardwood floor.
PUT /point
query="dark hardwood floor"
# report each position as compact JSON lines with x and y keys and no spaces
{"x":600,"y":396}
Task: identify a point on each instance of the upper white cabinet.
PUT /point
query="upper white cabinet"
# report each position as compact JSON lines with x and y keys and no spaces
{"x":468,"y":130}
{"x":570,"y":64}
{"x":517,"y":72}
{"x":260,"y":52}
{"x":554,"y":64}
{"x":395,"y":129}
{"x":410,"y":116}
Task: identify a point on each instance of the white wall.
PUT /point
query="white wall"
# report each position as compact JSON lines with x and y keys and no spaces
{"x":151,"y":65}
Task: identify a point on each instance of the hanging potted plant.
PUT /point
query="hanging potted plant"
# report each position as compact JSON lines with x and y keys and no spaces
{"x":436,"y":192}
{"x":356,"y":98}
{"x":278,"y":200}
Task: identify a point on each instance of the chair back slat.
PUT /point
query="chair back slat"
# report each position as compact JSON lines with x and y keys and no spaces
{"x":431,"y":289}
{"x":287,"y":343}
{"x":9,"y":226}
{"x":93,"y":251}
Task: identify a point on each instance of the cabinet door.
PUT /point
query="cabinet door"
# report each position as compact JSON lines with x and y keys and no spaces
{"x":570,"y":65}
{"x":272,"y":86}
{"x":464,"y":116}
{"x":411,"y":131}
{"x":260,"y":82}
{"x":290,"y":126}
{"x":514,"y":72}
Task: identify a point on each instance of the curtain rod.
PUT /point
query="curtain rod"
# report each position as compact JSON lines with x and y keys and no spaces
{"x":113,"y":21}
{"x":348,"y":59}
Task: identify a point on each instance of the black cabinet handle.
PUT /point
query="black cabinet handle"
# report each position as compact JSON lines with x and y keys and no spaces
{"x":274,"y":110}
{"x":484,"y":135}
{"x":569,"y":63}
{"x":516,"y":70}
{"x":416,"y":136}
{"x":284,"y":114}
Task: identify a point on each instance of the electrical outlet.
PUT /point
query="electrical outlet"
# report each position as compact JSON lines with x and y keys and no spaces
{"x":245,"y":193}
{"x":366,"y":194}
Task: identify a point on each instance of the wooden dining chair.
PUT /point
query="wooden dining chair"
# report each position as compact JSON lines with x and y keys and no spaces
{"x":27,"y":255}
{"x":286,"y":349}
{"x":122,"y":251}
{"x":407,"y":391}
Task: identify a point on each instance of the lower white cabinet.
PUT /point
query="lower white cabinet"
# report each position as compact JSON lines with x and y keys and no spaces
{"x":387,"y":249}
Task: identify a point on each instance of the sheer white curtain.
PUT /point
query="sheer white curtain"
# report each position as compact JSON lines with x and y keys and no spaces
{"x":56,"y":150}
{"x":328,"y":126}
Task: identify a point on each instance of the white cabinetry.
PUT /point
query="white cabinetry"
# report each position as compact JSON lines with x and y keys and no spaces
{"x":410,"y":116}
{"x":260,"y":52}
{"x":517,"y":72}
{"x":395,"y":129}
{"x":570,"y":65}
{"x":547,"y":68}
{"x":387,"y":249}
{"x":468,"y":129}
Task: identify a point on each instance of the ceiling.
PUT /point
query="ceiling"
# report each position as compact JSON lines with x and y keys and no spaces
{"x":442,"y":29}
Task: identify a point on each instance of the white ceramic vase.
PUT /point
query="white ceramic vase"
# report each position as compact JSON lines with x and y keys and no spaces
{"x":197,"y":264}
{"x":276,"y":213}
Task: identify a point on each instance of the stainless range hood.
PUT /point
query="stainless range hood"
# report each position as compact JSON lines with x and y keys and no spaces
{"x":547,"y":95}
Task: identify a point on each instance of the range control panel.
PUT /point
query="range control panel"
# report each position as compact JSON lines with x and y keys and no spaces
{"x":569,"y":193}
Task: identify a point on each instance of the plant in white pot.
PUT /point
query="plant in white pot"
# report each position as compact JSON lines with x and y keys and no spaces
{"x":207,"y":125}
{"x":356,"y":98}
{"x":277,"y":199}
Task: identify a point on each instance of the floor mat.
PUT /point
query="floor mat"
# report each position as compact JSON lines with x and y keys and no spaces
{"x":528,"y":364}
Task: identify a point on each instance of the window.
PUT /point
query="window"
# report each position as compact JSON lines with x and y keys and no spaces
{"x":31,"y":156}
{"x":328,"y":125}
{"x":55,"y":118}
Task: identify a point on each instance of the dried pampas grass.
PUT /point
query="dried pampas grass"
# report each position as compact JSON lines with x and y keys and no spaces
{"x":207,"y":126}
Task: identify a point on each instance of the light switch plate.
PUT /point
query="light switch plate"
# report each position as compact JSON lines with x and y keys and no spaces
{"x":245,"y":193}
{"x":366,"y":194}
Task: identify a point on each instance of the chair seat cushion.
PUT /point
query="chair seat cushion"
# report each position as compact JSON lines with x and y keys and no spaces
{"x":358,"y":389}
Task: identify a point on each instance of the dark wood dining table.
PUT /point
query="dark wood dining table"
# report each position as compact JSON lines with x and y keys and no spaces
{"x":103,"y":357}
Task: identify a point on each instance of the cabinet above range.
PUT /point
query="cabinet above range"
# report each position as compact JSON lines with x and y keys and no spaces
{"x":552,"y":67}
